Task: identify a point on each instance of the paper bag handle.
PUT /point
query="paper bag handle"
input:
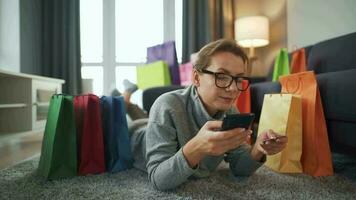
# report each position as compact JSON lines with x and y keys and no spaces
{"x":296,"y":89}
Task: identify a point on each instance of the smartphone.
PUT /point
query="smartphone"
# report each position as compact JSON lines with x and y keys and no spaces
{"x":241,"y":120}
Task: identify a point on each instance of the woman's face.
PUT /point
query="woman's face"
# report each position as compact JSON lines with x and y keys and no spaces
{"x":214,"y":98}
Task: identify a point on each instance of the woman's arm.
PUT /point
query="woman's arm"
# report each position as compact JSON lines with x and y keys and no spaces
{"x":241,"y":162}
{"x":166,"y":165}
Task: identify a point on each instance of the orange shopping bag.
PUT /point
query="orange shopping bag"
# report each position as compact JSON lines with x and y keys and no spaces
{"x":298,"y":63}
{"x":316,"y":155}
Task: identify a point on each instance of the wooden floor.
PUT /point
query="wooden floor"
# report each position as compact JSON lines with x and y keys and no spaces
{"x":16,"y":147}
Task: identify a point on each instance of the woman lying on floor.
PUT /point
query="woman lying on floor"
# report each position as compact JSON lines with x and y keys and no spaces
{"x":181,"y":138}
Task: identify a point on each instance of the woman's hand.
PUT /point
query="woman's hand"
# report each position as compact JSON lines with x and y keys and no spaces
{"x":210,"y":141}
{"x":268,"y":143}
{"x":213,"y":142}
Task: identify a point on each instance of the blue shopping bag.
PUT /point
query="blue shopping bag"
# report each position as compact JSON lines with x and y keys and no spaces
{"x":118,"y":154}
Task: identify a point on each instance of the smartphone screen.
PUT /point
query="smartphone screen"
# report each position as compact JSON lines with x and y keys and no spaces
{"x":242,"y":120}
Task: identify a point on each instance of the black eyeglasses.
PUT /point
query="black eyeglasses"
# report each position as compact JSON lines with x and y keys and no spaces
{"x":225,"y":80}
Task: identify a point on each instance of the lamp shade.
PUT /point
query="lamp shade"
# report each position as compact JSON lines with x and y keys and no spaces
{"x":252,"y":31}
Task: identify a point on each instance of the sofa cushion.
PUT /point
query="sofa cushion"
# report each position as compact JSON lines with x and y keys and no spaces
{"x":342,"y":136}
{"x":149,"y":95}
{"x":333,"y":55}
{"x":338,"y":94}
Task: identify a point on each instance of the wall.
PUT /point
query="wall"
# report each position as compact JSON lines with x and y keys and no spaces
{"x":276,"y":12}
{"x":9,"y":35}
{"x":312,"y":21}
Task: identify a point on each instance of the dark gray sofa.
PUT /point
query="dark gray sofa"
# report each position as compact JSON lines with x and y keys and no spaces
{"x":149,"y":95}
{"x":334,"y":63}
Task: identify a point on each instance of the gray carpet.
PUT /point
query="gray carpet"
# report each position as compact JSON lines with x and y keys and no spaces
{"x":21,"y":182}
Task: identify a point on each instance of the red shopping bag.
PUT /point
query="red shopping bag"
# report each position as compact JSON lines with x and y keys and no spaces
{"x":298,"y":63}
{"x":243,"y":102}
{"x":316,"y":155}
{"x":91,"y":158}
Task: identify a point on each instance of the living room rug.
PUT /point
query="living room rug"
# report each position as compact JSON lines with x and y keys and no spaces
{"x":22,"y":182}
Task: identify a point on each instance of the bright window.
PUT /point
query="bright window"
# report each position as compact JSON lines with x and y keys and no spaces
{"x":115,"y":35}
{"x":179,"y":28}
{"x":138,"y":27}
{"x":125,"y":72}
{"x":96,"y":74}
{"x":91,"y":28}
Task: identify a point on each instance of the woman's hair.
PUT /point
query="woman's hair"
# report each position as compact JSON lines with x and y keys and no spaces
{"x":218,"y":46}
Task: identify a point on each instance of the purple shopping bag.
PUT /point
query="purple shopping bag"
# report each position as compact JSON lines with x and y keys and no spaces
{"x":166,"y":52}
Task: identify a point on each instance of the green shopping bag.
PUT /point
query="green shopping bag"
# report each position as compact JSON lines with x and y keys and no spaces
{"x":153,"y":75}
{"x":281,"y":65}
{"x":59,"y":146}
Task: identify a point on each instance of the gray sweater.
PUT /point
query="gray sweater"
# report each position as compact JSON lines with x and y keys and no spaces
{"x":175,"y":118}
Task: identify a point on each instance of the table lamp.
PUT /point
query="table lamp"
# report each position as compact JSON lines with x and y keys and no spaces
{"x":251,"y":32}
